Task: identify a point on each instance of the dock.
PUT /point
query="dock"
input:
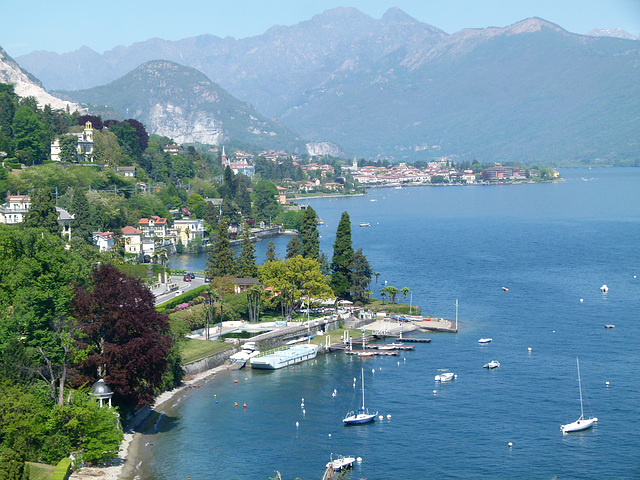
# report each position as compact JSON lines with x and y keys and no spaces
{"x":371,"y":352}
{"x":415,"y":340}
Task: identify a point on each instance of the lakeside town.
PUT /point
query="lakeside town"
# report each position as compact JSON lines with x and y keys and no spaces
{"x":93,"y":212}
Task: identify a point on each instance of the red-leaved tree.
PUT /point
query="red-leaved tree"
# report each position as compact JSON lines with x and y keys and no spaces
{"x":126,"y":339}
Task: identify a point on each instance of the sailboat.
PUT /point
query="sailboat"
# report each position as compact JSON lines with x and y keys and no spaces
{"x":582,"y":423}
{"x":361,"y":415}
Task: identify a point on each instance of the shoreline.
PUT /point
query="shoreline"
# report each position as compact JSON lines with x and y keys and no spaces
{"x":130,"y":453}
{"x":124,"y":465}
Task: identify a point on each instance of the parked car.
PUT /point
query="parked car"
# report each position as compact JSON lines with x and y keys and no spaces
{"x":186,"y":278}
{"x":191,"y":275}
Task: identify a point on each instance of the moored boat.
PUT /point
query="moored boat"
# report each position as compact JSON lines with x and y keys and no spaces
{"x":361,"y":415}
{"x":582,"y":423}
{"x":485,"y":340}
{"x":445,"y":377}
{"x":340,"y":463}
{"x":492,"y":364}
{"x":284,"y":358}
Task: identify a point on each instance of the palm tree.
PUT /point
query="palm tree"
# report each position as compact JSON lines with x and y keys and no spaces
{"x":393,"y":291}
{"x":383,"y":293}
{"x":405,"y":291}
{"x":368,"y":293}
{"x":376,"y":274}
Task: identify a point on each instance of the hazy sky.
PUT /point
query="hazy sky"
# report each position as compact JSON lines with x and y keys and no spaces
{"x":63,"y":26}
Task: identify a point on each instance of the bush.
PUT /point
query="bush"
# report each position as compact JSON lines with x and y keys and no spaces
{"x":62,"y":469}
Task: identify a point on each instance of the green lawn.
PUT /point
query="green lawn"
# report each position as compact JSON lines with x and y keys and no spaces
{"x":192,"y":349}
{"x":40,"y":471}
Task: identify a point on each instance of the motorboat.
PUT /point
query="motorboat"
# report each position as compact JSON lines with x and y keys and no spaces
{"x":361,"y":415}
{"x":365,"y":225}
{"x":582,"y":423}
{"x":340,"y":463}
{"x":445,"y":377}
{"x":485,"y":340}
{"x":492,"y":364}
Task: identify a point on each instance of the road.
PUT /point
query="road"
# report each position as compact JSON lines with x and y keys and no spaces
{"x":163,"y":296}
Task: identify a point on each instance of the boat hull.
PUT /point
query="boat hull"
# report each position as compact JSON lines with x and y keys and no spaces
{"x":578,"y":425}
{"x":359,"y":418}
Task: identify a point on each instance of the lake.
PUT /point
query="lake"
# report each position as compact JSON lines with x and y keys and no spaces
{"x":553,"y":246}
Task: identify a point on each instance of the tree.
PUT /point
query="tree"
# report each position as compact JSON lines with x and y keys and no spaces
{"x":220,"y":259}
{"x":82,"y":213}
{"x":247,"y":261}
{"x":405,"y":291}
{"x":270,"y":255}
{"x":294,"y":247}
{"x":265,"y":204}
{"x":392,"y":292}
{"x":383,"y":293}
{"x":211,"y":215}
{"x":43,"y":213}
{"x":342,"y":254}
{"x":141,"y":133}
{"x":359,"y":276}
{"x":196,"y":205}
{"x":293,"y":279}
{"x":254,"y":301}
{"x":31,"y":143}
{"x":68,"y":148}
{"x":309,"y":234}
{"x":127,"y":342}
{"x":376,"y":274}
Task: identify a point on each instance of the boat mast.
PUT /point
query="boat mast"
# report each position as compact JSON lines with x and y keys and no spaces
{"x":580,"y":388}
{"x":456,"y":314}
{"x":362,"y":389}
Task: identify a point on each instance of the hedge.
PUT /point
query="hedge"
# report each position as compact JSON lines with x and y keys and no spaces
{"x":184,"y":298}
{"x":62,"y":469}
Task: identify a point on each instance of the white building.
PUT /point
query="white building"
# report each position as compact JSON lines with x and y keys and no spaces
{"x":16,"y":207}
{"x":84,"y":148}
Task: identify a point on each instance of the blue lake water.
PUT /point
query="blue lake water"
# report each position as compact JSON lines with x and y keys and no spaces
{"x":551,"y":245}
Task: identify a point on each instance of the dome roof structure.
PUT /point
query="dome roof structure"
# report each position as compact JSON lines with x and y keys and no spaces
{"x":100,"y":388}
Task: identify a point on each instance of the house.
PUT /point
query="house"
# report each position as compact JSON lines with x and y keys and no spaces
{"x":103,"y":240}
{"x":84,"y":148}
{"x":127,"y":171}
{"x":173,"y":149}
{"x":216,"y":202}
{"x":16,"y":207}
{"x":242,"y":284}
{"x":133,"y":240}
{"x":153,"y":226}
{"x":282,"y":195}
{"x":188,"y":229}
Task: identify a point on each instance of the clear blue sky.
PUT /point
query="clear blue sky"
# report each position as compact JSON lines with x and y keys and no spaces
{"x":63,"y":26}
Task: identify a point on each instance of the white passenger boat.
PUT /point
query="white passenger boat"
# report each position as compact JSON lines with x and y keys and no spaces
{"x":340,"y":463}
{"x":284,"y":358}
{"x":492,"y":364}
{"x":582,"y":423}
{"x":445,"y":377}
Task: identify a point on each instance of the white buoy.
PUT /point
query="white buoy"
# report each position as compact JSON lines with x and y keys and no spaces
{"x":380,"y":417}
{"x":359,"y":459}
{"x":405,"y":359}
{"x":304,"y":412}
{"x":380,"y":368}
{"x":581,"y":300}
{"x":297,"y":424}
{"x":554,"y":331}
{"x":302,"y":400}
{"x":510,"y":445}
{"x":606,"y":383}
{"x":529,"y":348}
{"x":388,"y":415}
{"x":354,"y":379}
{"x":455,"y":376}
{"x":329,"y":434}
{"x":398,"y":363}
{"x":435,"y":391}
{"x":302,"y":405}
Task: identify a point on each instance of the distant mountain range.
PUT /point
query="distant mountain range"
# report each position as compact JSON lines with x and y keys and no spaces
{"x":397,"y":88}
{"x":182,"y":103}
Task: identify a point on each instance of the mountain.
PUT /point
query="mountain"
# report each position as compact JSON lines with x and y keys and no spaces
{"x":182,"y":103}
{"x":26,"y":85}
{"x":401,"y":89}
{"x":612,"y":32}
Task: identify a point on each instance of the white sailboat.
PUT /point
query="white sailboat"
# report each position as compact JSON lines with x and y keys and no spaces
{"x":361,"y":415}
{"x":582,"y":423}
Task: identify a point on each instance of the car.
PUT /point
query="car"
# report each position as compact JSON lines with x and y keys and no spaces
{"x":186,"y":278}
{"x":192,"y":275}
